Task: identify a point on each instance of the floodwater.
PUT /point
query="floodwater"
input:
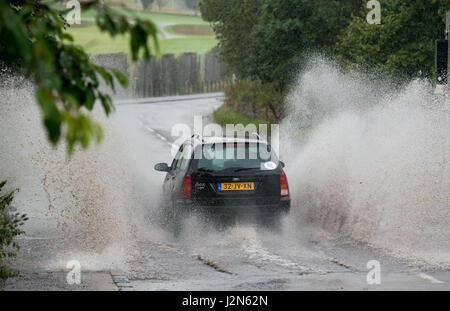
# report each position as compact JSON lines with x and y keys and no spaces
{"x":368,"y":171}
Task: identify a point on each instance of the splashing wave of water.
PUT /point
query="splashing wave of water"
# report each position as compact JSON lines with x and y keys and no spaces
{"x":76,"y":207}
{"x":374,"y":164}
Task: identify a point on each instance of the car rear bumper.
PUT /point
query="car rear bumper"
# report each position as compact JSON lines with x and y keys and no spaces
{"x":282,"y":207}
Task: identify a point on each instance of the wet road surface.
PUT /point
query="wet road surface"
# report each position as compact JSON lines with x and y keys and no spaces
{"x":244,"y":257}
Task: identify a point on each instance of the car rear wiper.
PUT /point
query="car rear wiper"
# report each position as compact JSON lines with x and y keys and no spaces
{"x":236,"y":169}
{"x":206,"y":170}
{"x":246,"y":169}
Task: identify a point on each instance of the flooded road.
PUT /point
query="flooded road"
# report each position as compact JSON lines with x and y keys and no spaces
{"x":301,"y":257}
{"x":101,"y":208}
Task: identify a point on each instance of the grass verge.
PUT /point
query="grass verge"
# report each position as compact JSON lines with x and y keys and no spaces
{"x":226,"y":115}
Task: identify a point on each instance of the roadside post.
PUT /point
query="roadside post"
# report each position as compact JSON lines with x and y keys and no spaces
{"x":442,"y":64}
{"x":447,"y":25}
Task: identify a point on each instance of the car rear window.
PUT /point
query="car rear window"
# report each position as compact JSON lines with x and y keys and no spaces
{"x":217,"y":157}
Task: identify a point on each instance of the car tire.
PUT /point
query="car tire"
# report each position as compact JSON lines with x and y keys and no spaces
{"x":176,"y":221}
{"x":224,"y":221}
{"x":172,"y":219}
{"x":272,"y":222}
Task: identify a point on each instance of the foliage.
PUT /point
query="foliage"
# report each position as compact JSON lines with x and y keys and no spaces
{"x":227,"y":115}
{"x":233,"y":22}
{"x":9,"y":229}
{"x":33,"y":38}
{"x":269,"y":40}
{"x":291,"y":29}
{"x":402,"y":45}
{"x":256,"y":100}
{"x":266,"y":39}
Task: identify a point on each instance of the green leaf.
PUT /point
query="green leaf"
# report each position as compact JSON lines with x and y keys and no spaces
{"x":65,"y":36}
{"x":122,"y":78}
{"x":53,"y":129}
{"x":52,"y":116}
{"x":107,"y":104}
{"x":2,"y":184}
{"x":90,"y":98}
{"x":107,"y":77}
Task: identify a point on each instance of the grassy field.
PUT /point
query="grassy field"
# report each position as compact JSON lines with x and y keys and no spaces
{"x":96,"y":42}
{"x":177,"y":40}
{"x":190,"y":30}
{"x":172,"y":18}
{"x":196,"y":44}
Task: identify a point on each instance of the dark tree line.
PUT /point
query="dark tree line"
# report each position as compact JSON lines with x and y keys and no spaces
{"x":268,"y":40}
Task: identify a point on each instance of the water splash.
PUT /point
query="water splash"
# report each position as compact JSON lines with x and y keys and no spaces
{"x":76,"y":207}
{"x":373,"y":161}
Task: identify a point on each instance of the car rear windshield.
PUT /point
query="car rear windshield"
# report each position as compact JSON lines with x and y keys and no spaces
{"x":223,"y":156}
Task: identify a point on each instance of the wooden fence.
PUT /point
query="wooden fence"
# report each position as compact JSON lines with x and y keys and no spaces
{"x":188,"y":73}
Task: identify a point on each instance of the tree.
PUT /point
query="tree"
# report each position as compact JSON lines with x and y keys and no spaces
{"x":147,"y":3}
{"x":289,"y":30}
{"x":233,"y":21}
{"x":402,"y":45}
{"x":266,"y":39}
{"x":33,"y":40}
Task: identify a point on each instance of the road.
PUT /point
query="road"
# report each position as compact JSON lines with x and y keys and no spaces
{"x":243,"y":257}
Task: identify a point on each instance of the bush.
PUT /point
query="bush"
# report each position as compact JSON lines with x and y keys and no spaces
{"x":10,"y":221}
{"x":256,"y":100}
{"x":226,"y":115}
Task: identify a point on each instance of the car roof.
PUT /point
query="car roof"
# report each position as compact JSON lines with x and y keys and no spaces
{"x":215,"y":140}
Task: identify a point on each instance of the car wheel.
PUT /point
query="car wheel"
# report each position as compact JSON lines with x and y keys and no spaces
{"x":176,"y":221}
{"x":171,"y":218}
{"x":272,"y":222}
{"x":224,"y":221}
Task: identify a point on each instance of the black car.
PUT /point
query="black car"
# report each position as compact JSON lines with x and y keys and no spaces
{"x":225,"y":179}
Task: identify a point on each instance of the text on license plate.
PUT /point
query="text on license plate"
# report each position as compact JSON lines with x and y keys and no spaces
{"x":238,"y":186}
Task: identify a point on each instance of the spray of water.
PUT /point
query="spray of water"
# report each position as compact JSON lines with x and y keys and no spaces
{"x":372,"y":163}
{"x":79,"y":208}
{"x":95,"y":207}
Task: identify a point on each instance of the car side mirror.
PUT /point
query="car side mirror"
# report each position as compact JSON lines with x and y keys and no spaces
{"x":162,"y":167}
{"x":282,"y":164}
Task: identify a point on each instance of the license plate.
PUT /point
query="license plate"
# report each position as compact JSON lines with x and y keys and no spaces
{"x":237,"y":186}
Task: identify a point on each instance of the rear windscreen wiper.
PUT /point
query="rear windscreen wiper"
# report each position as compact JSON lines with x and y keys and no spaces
{"x":246,"y":169}
{"x":205,"y":170}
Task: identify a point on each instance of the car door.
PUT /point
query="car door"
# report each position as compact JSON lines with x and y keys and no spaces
{"x":169,"y":181}
{"x":181,"y":168}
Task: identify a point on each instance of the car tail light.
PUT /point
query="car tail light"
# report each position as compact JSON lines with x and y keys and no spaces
{"x":186,"y":192}
{"x":284,"y":188}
